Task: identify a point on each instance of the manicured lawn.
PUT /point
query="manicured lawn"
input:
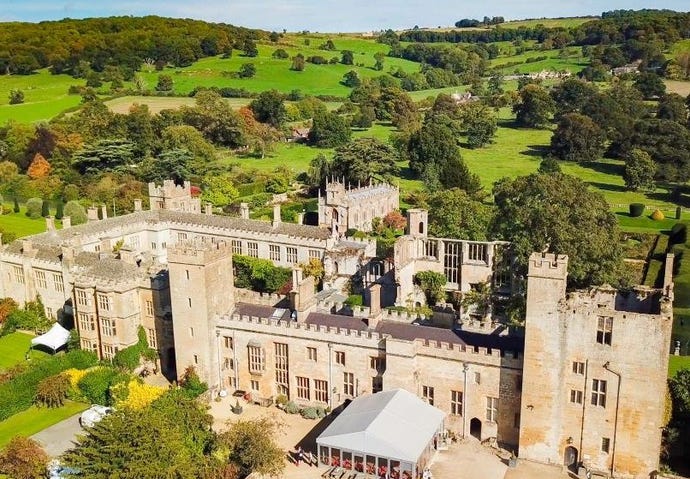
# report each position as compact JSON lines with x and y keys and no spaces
{"x":20,"y":224}
{"x":35,"y":419}
{"x":676,"y":363}
{"x":14,"y":347}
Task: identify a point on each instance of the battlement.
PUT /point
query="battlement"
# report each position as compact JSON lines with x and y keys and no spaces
{"x":548,"y":265}
{"x":170,"y":190}
{"x":198,"y":252}
{"x":253,"y":297}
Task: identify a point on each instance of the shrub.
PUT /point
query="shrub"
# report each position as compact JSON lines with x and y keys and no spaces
{"x":16,"y":96}
{"x":23,"y":458}
{"x":309,"y":413}
{"x":636,"y":209}
{"x":76,"y":212}
{"x":657,"y":215}
{"x":281,"y":400}
{"x":45,"y":208}
{"x":18,"y":393}
{"x":679,"y":234}
{"x":259,"y":274}
{"x":320,"y":412}
{"x":95,"y":385}
{"x":16,"y":206}
{"x":354,"y":300}
{"x":191,"y":382}
{"x":139,"y":395}
{"x":52,"y":391}
{"x":291,"y":408}
{"x":33,"y":208}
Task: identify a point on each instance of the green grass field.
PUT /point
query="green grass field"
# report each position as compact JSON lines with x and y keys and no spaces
{"x":45,"y":96}
{"x":20,"y":224}
{"x":549,"y":22}
{"x":676,"y":363}
{"x":35,"y":419}
{"x":14,"y":347}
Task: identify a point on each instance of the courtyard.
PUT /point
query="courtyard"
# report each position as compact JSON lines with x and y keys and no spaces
{"x":466,"y":459}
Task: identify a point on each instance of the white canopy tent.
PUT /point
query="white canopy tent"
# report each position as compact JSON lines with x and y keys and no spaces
{"x":392,"y":431}
{"x":54,"y":339}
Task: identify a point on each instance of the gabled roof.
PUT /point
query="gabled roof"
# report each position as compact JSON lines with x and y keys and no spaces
{"x":393,"y":424}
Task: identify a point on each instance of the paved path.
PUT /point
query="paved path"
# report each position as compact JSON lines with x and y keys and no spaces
{"x":59,"y":437}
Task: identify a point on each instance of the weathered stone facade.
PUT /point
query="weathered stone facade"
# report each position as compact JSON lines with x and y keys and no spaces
{"x":343,"y":208}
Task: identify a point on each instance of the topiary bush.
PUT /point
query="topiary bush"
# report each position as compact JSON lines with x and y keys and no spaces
{"x":291,"y":408}
{"x":281,"y":400}
{"x":657,"y":215}
{"x":52,"y":391}
{"x":309,"y":413}
{"x":679,"y":234}
{"x":636,"y":209}
{"x":33,"y":208}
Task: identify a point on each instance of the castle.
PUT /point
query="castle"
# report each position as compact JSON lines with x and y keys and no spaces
{"x":583,"y":386}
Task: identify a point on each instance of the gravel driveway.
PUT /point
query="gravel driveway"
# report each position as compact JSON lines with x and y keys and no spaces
{"x":59,"y":437}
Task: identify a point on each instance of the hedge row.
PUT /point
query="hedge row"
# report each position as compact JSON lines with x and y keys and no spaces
{"x":17,"y":394}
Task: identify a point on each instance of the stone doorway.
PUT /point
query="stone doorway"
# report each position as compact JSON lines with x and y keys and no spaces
{"x":476,"y":428}
{"x":570,"y":459}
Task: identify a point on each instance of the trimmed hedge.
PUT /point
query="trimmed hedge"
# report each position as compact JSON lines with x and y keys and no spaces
{"x":18,"y":393}
{"x":679,"y":234}
{"x":96,"y":384}
{"x":636,"y":209}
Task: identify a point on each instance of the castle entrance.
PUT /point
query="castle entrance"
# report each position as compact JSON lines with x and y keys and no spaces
{"x":476,"y":428}
{"x":570,"y":459}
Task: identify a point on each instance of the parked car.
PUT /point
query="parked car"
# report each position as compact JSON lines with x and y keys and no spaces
{"x":93,"y":415}
{"x":57,"y":471}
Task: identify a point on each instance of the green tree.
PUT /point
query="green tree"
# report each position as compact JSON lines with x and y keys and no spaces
{"x":59,"y":210}
{"x":679,"y":386}
{"x":188,"y":138}
{"x":351,"y":79}
{"x":397,"y":106}
{"x":249,"y":48}
{"x":76,"y":212}
{"x":347,"y":57}
{"x":480,"y":124}
{"x":534,"y":108}
{"x":668,"y":143}
{"x":319,"y":171}
{"x":105,"y":155}
{"x":364,"y":118}
{"x":639,"y":171}
{"x":571,"y":95}
{"x":650,"y":85}
{"x":672,"y":107}
{"x":364,"y":159}
{"x":251,"y":446}
{"x":578,"y":139}
{"x":215,"y":119}
{"x":165,"y":83}
{"x":379,"y":57}
{"x":454,"y":214}
{"x":33,"y":207}
{"x":15,"y":208}
{"x":45,"y":208}
{"x":218,"y":190}
{"x":16,"y":96}
{"x":269,"y":107}
{"x":280,"y":54}
{"x":175,"y":164}
{"x":247,"y":70}
{"x":23,"y":458}
{"x":559,"y":214}
{"x":329,"y":130}
{"x":495,"y":85}
{"x":433,"y":284}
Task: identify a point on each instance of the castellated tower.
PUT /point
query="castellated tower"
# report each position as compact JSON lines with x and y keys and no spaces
{"x":201,"y":289}
{"x":542,"y":375}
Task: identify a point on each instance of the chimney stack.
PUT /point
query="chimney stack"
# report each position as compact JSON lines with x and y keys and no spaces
{"x":300,"y":218}
{"x":244,"y":211}
{"x":104,"y":212}
{"x":137,"y":205}
{"x":208,"y":209}
{"x":50,"y":223}
{"x":92,"y":214}
{"x":374,"y":305}
{"x":66,"y":222}
{"x":276,"y":214}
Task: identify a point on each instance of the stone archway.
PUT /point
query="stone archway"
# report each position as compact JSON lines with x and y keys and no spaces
{"x":570,"y":459}
{"x":476,"y":428}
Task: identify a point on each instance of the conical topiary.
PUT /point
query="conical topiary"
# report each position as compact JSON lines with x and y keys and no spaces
{"x":657,"y":215}
{"x":16,"y":206}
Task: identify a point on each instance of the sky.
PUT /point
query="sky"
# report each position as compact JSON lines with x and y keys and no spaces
{"x":322,"y":15}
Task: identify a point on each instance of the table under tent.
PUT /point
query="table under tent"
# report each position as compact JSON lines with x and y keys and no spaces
{"x":390,"y":434}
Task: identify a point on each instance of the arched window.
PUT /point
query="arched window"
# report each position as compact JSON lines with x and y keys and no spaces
{"x":421,"y":227}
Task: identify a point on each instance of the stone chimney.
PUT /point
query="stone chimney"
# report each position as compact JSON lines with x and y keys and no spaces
{"x":208,"y":209}
{"x":302,"y":297}
{"x":66,"y":222}
{"x":276,"y":214}
{"x":92,"y":214}
{"x":104,"y":212}
{"x":27,"y":246}
{"x":300,"y":218}
{"x":374,"y":305}
{"x":50,"y":223}
{"x":67,"y":254}
{"x":137,"y":205}
{"x":244,"y":211}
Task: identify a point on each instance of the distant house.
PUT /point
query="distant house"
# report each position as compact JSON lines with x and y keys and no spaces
{"x":461,"y":98}
{"x":630,"y":68}
{"x":300,"y":135}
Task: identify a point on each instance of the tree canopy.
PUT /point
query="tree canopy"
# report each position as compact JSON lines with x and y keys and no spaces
{"x":364,"y":159}
{"x":558,"y":213}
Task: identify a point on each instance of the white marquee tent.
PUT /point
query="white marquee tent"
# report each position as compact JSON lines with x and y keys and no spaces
{"x":392,"y":431}
{"x":53,"y":339}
